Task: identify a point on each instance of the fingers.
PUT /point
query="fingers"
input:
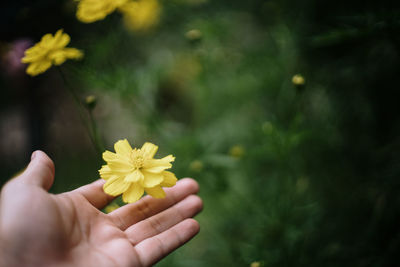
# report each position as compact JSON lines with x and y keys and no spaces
{"x":148,"y":206}
{"x":161,"y":222}
{"x":94,"y":194}
{"x":155,"y":248}
{"x":40,"y":171}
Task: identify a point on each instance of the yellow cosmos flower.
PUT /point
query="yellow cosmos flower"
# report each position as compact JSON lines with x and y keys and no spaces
{"x":131,"y":172}
{"x":141,"y":15}
{"x":51,"y":50}
{"x":94,"y":10}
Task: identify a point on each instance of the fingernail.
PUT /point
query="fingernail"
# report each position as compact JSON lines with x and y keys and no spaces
{"x":33,"y":155}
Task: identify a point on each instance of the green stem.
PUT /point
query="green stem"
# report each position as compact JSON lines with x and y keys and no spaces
{"x":90,"y":124}
{"x":95,"y":132}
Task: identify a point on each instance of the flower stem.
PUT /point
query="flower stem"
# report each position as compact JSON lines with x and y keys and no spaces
{"x":90,"y":124}
{"x":95,"y":132}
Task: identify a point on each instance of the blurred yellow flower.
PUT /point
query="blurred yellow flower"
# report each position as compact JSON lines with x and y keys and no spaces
{"x":111,"y":207}
{"x":298,"y":80}
{"x":94,"y":10}
{"x":255,"y":264}
{"x":131,"y":172}
{"x":51,"y":50}
{"x":193,"y":35}
{"x":236,"y":151}
{"x":196,"y":165}
{"x":140,"y":15}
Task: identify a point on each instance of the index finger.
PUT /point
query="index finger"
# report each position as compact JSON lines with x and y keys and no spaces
{"x":95,"y":194}
{"x":130,"y":214}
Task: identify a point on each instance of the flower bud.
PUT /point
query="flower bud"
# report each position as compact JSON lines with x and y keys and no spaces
{"x":298,"y":80}
{"x":194,"y":35}
{"x":90,"y":102}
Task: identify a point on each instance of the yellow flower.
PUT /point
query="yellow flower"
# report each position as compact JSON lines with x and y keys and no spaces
{"x":131,"y":172}
{"x":298,"y":80}
{"x":51,"y":50}
{"x":236,"y":151}
{"x":196,"y":165}
{"x":93,"y":10}
{"x":255,"y":264}
{"x":141,"y":15}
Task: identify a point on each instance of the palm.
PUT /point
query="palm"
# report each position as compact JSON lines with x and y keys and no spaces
{"x":69,"y":229}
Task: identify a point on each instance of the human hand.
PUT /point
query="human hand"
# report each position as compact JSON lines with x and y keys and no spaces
{"x":42,"y":229}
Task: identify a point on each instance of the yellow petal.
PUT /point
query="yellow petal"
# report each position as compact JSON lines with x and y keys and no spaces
{"x":46,"y":39}
{"x":73,"y":53}
{"x":158,"y":165}
{"x":108,"y":155}
{"x":120,"y":166}
{"x":169,"y":179}
{"x":152,"y":179}
{"x":136,"y":176}
{"x":149,"y":150}
{"x":105,"y":172}
{"x":115,"y":186}
{"x":156,"y":192}
{"x":134,"y":192}
{"x":36,"y":68}
{"x":123,"y":147}
{"x":60,"y":39}
{"x":117,"y":160}
{"x":34,"y":54}
{"x":93,"y":10}
{"x":58,"y":57}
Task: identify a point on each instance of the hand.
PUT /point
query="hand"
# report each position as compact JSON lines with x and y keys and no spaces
{"x":42,"y":229}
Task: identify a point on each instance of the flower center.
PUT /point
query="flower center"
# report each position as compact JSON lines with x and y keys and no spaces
{"x":137,"y":159}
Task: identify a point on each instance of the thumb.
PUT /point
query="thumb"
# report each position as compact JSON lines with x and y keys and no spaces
{"x":40,"y":171}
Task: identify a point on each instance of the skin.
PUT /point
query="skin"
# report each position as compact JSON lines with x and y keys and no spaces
{"x":42,"y":229}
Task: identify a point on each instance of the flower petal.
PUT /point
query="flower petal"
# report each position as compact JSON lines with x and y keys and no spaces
{"x":117,"y":162}
{"x":36,"y":68}
{"x":73,"y":53}
{"x":169,"y":179}
{"x":156,"y":192}
{"x":34,"y":54}
{"x":149,"y":150}
{"x":58,"y":57}
{"x":108,"y":156}
{"x":105,"y":172}
{"x":136,"y":176}
{"x":120,"y":166}
{"x":123,"y":147}
{"x":46,"y":40}
{"x":152,"y":179}
{"x":158,"y":165}
{"x":60,"y":39}
{"x":115,"y":186}
{"x":134,"y":192}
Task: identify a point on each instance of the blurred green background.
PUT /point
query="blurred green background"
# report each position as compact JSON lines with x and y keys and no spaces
{"x":290,"y":174}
